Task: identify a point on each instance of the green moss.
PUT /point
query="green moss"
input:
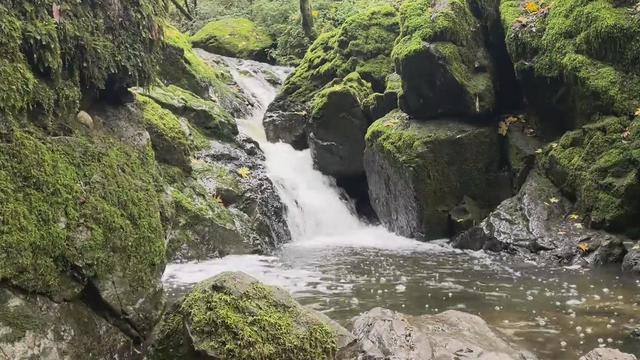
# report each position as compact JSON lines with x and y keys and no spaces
{"x":206,"y":115}
{"x":87,"y":205}
{"x":591,"y":46}
{"x":95,"y":48}
{"x":352,"y":85}
{"x":361,"y":44}
{"x":249,"y":322}
{"x":237,"y":37}
{"x":598,"y":166}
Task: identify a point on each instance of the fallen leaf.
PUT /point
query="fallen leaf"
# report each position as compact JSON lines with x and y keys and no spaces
{"x":554,"y":200}
{"x":532,"y":7}
{"x":637,"y":112}
{"x":583,"y":247}
{"x":244,"y":172}
{"x":539,"y":151}
{"x":574,"y":217}
{"x":503,"y":128}
{"x":57,"y":16}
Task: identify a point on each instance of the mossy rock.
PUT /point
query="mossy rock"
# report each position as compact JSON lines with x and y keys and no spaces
{"x":362,"y":44}
{"x":207,"y":116}
{"x":78,"y":209}
{"x":419,"y":171}
{"x":575,"y":59}
{"x":235,"y":37}
{"x":441,"y":58}
{"x":338,"y":124}
{"x":233,"y":316}
{"x":599,"y":166}
{"x":96,"y":51}
{"x":174,"y":140}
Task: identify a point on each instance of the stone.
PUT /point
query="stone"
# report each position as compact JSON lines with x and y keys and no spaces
{"x":233,"y":316}
{"x":338,"y":125}
{"x":607,"y":354}
{"x":384,"y":334}
{"x":539,"y":223}
{"x":442,"y":60}
{"x":631,"y":262}
{"x":419,"y":171}
{"x":85,"y":119}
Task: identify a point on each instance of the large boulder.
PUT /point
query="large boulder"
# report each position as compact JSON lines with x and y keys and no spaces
{"x":338,"y":125}
{"x":574,"y":59}
{"x":384,"y":334}
{"x":419,"y":171}
{"x":631,"y":262}
{"x":235,"y":37}
{"x":233,"y":316}
{"x":539,"y":223}
{"x":599,"y":166}
{"x":361,"y":44}
{"x":442,"y":60}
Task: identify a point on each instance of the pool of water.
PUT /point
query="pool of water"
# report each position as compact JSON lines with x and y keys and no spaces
{"x":557,"y":313}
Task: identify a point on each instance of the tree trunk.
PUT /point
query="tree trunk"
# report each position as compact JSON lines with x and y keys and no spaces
{"x":182,"y":9}
{"x":307,"y":19}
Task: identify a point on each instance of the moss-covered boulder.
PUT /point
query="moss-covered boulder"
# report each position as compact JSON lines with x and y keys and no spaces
{"x":206,"y":115}
{"x":233,"y":316}
{"x":599,"y":166}
{"x":441,"y":57}
{"x":235,"y":37}
{"x":575,"y":59}
{"x":338,"y":125}
{"x":362,"y":44}
{"x":419,"y":171}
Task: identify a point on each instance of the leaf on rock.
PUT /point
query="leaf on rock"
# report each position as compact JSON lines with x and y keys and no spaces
{"x":244,"y":172}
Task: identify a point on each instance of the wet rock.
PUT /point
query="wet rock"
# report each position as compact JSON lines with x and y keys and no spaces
{"x":233,"y":316}
{"x":227,"y":205}
{"x":419,"y":171}
{"x":567,"y":76}
{"x":522,"y":147}
{"x":539,"y":223}
{"x":607,"y":354}
{"x":288,"y":126}
{"x":441,"y":58}
{"x":34,"y":327}
{"x":631,"y":262}
{"x":385,"y":334}
{"x":235,"y":37}
{"x":338,"y":125}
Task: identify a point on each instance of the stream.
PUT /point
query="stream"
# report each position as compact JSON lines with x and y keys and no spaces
{"x":341,"y":266}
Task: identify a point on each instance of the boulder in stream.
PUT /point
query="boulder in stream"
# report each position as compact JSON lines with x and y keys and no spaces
{"x":384,"y":334}
{"x":540,"y":223}
{"x":235,"y":37}
{"x":233,"y":316}
{"x":419,"y":171}
{"x":607,"y":354}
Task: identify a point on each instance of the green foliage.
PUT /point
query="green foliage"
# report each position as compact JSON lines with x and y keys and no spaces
{"x":237,"y":37}
{"x":79,"y":205}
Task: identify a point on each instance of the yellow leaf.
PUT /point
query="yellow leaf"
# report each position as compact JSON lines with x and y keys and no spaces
{"x":532,"y":7}
{"x":574,"y":217}
{"x":637,"y":112}
{"x":244,"y":172}
{"x":218,"y":200}
{"x":503,"y":128}
{"x":583,"y":247}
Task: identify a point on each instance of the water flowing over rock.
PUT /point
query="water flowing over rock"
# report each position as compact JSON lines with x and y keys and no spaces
{"x":384,"y":334}
{"x":539,"y":222}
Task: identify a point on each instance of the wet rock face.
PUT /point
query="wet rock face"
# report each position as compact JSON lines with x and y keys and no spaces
{"x":385,"y":334}
{"x":631,"y":262}
{"x":284,"y":124}
{"x":419,"y":171}
{"x":338,"y":125}
{"x":607,"y":354}
{"x":34,"y":327}
{"x":539,"y":223}
{"x":233,"y":316}
{"x":227,"y":206}
{"x":441,"y":58}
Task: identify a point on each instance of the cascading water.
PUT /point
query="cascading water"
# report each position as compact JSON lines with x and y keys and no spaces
{"x":341,"y":266}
